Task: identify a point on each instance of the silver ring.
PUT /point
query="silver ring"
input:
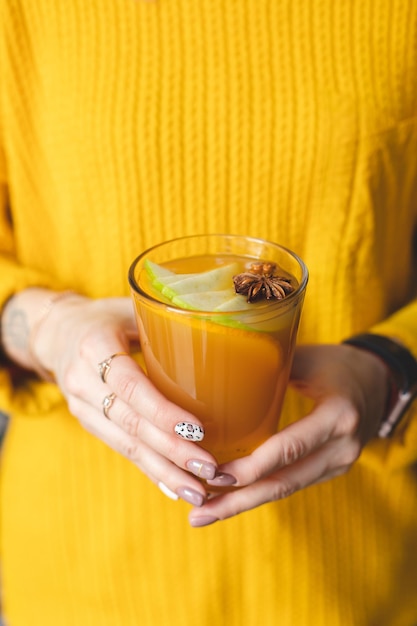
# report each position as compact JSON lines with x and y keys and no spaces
{"x":108,"y":403}
{"x":104,"y":366}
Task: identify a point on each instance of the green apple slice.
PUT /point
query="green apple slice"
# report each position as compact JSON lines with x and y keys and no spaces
{"x":160,"y":276}
{"x":157,"y":272}
{"x":218,"y":279}
{"x":236,"y":302}
{"x":212,"y":290}
{"x":203,"y":301}
{"x":171,"y":284}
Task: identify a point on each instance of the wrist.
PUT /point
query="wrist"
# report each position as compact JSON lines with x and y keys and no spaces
{"x":43,"y":314}
{"x":402,"y":368}
{"x":23,"y":316}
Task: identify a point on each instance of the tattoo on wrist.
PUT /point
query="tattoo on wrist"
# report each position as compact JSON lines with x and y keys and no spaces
{"x":15,"y":329}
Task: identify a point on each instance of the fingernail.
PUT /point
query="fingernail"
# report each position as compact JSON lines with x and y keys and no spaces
{"x":189,"y":431}
{"x":204,"y":520}
{"x":191,"y":496}
{"x":167,"y":491}
{"x":222,"y":480}
{"x":201,"y":468}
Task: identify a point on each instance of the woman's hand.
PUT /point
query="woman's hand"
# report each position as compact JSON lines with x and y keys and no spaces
{"x":79,"y":334}
{"x":350,"y":389}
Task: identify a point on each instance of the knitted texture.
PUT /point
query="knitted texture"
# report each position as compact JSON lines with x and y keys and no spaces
{"x":124,"y":123}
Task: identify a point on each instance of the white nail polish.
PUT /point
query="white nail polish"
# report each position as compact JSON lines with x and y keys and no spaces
{"x":167,"y":491}
{"x":192,"y":432}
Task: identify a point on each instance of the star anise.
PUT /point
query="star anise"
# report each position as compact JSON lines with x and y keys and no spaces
{"x":261,"y":282}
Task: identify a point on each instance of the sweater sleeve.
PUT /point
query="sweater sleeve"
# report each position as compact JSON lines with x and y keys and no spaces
{"x":13,"y":275}
{"x":401,"y":449}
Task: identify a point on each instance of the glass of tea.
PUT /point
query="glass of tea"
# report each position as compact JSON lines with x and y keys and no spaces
{"x":217,"y":317}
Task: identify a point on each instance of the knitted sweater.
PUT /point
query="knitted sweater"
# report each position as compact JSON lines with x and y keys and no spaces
{"x":124,"y":123}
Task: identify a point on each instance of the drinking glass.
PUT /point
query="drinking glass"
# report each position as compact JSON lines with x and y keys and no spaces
{"x":229,"y":368}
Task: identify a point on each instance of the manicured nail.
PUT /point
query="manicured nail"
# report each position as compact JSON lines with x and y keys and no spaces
{"x":222,"y":480}
{"x":202,"y":469}
{"x":191,"y":496}
{"x":167,"y":491}
{"x":204,"y":520}
{"x":189,"y":431}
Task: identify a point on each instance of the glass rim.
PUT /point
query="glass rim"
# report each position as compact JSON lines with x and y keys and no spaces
{"x":134,"y":284}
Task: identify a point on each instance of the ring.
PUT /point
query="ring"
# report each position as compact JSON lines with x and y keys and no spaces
{"x":104,"y":366}
{"x":108,"y":403}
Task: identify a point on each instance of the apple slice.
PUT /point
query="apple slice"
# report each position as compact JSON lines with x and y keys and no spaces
{"x":203,"y":301}
{"x":156,"y":272}
{"x":212,"y":290}
{"x":161,"y":276}
{"x":236,"y":302}
{"x":218,"y":279}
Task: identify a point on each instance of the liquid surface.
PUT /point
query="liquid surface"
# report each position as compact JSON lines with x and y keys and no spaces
{"x":205,"y":263}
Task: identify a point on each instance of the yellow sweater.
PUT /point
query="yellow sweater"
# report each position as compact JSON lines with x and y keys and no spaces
{"x":125,"y":122}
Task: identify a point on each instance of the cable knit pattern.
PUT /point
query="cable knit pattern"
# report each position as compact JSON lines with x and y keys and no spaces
{"x":125,"y":122}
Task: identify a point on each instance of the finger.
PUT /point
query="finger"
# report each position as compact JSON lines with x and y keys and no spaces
{"x":159,"y":469}
{"x":185,"y":454}
{"x":318,"y":467}
{"x":86,"y":390}
{"x":293,"y":443}
{"x":131,"y":385}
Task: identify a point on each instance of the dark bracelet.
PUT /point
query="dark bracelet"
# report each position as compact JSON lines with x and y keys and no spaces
{"x":403,"y":366}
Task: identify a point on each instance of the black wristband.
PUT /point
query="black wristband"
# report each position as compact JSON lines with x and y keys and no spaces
{"x":403,"y":366}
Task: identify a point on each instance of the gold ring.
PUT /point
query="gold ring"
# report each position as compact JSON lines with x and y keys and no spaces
{"x":108,"y":403}
{"x":104,"y":366}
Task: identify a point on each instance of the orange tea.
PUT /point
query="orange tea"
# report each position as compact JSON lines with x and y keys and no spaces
{"x":228,"y":365}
